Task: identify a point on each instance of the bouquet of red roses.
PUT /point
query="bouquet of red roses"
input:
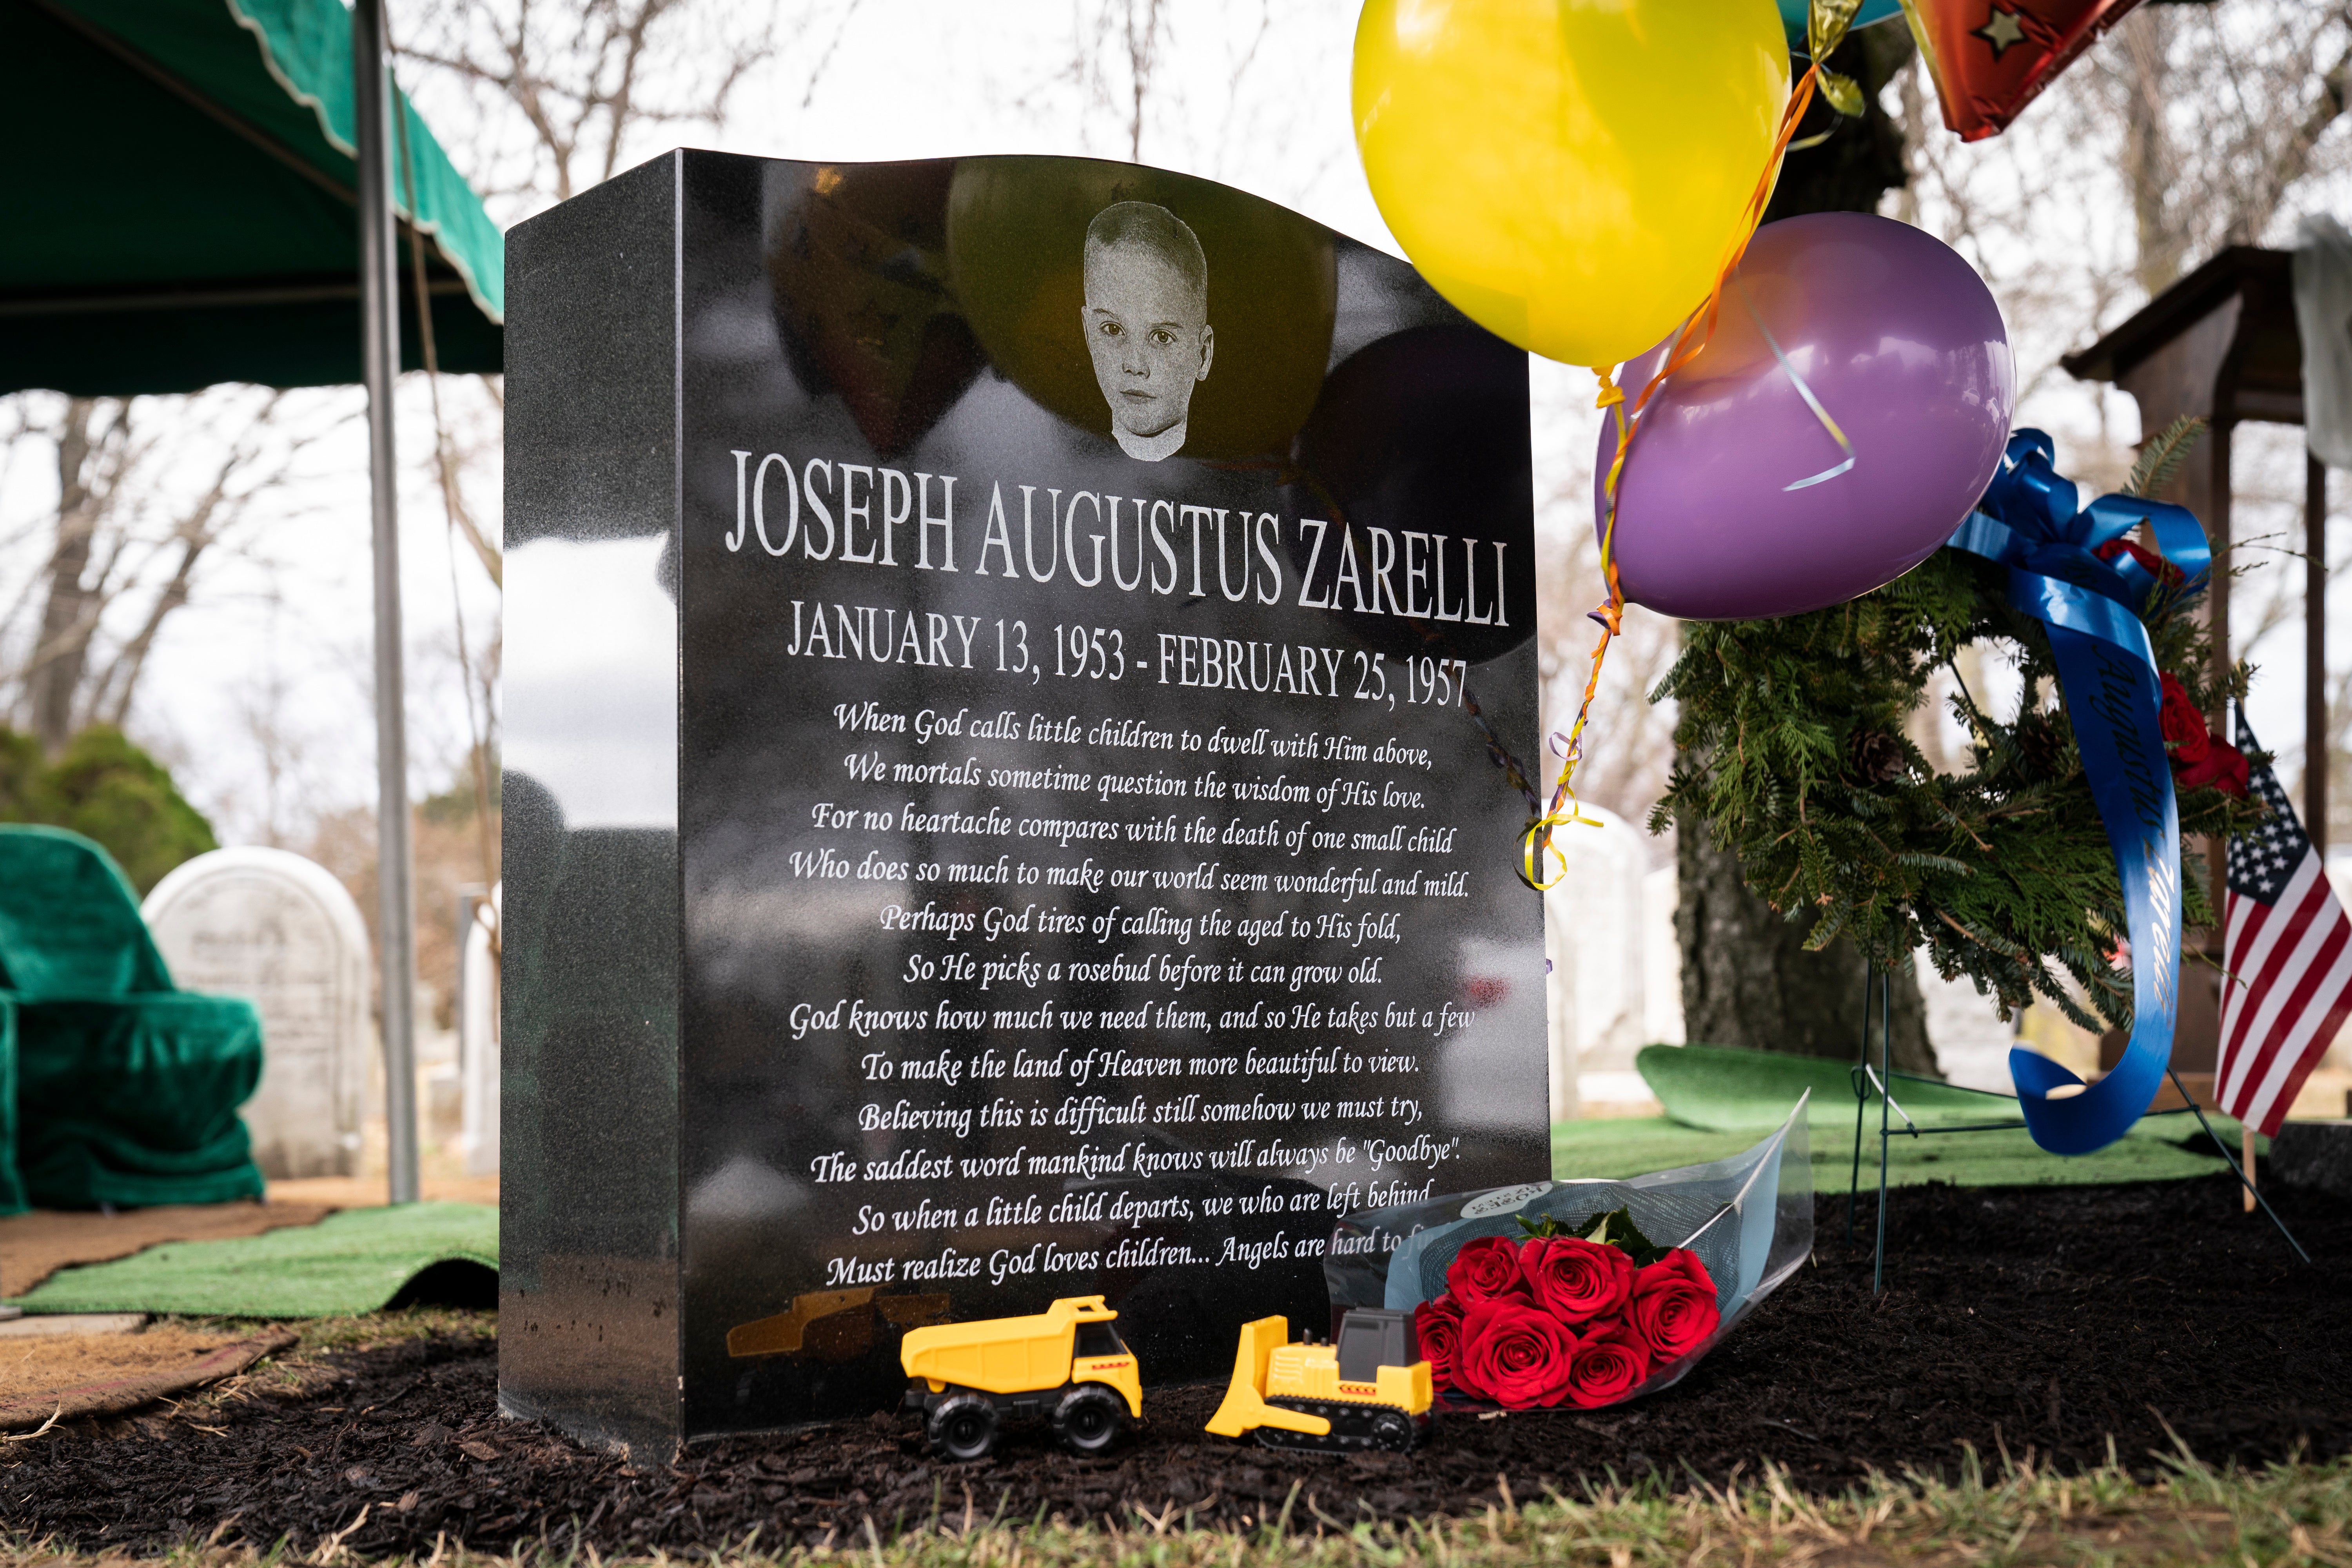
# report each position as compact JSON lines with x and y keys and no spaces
{"x":1553,"y":1293}
{"x":1555,"y":1318}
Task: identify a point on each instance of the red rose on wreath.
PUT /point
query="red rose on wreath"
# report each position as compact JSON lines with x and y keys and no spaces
{"x":1484,"y":1270}
{"x":1437,"y":1329}
{"x":1575,"y":1279}
{"x":2183,"y":725}
{"x":1612,"y":1363}
{"x":1513,"y":1353}
{"x":1674,"y":1305}
{"x":2199,"y":757}
{"x":2224,"y":766}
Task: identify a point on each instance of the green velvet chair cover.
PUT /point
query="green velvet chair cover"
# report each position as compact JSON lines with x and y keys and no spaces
{"x":127,"y":1087}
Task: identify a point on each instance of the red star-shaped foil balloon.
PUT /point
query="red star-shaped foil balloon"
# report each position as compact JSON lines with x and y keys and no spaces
{"x":1989,"y":58}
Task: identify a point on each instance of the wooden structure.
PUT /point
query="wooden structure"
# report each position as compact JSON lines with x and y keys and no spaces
{"x":2222,"y":344}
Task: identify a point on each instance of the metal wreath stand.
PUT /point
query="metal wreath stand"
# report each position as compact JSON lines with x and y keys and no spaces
{"x":1865,"y":1079}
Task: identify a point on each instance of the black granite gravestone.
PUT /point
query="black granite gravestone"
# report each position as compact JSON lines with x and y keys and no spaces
{"x":1006,"y":662}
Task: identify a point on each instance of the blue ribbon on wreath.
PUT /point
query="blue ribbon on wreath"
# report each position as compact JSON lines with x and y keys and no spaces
{"x":2031,"y":521}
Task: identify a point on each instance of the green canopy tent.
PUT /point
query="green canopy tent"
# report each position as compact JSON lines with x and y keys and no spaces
{"x":182,"y":205}
{"x":223,"y":190}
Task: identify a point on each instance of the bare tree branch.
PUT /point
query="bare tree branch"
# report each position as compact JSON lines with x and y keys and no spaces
{"x":586,"y":82}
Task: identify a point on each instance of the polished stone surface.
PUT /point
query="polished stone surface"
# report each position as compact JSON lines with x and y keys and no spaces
{"x":992,"y":811}
{"x":588,"y":1246}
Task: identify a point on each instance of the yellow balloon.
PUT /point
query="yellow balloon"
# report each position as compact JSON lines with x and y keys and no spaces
{"x":1571,"y":174}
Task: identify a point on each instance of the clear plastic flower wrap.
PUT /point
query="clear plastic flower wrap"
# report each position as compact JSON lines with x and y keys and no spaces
{"x":1582,"y":1292}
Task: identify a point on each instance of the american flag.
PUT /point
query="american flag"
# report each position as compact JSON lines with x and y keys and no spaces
{"x":2288,"y":957}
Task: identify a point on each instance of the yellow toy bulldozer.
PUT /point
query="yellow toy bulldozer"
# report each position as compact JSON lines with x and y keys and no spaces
{"x":1066,"y":1362}
{"x":1360,"y":1394}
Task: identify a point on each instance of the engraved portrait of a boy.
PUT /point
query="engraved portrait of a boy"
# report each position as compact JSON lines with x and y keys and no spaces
{"x":1145,"y":318}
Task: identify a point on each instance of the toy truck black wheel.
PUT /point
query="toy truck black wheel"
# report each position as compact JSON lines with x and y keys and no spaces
{"x":1391,"y":1430}
{"x":1089,"y":1419}
{"x":963,"y":1427}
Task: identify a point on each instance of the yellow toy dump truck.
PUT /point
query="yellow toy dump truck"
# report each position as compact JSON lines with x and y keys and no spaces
{"x":1362,"y":1393}
{"x":1066,"y":1362}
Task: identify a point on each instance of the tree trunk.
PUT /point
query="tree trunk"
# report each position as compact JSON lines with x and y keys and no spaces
{"x":1747,"y":979}
{"x":1862,"y":159}
{"x":2148,"y":163}
{"x":70,"y":616}
{"x":1749,"y":982}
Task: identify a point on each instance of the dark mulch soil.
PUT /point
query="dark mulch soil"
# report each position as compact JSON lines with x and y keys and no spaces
{"x":2049,"y":1319}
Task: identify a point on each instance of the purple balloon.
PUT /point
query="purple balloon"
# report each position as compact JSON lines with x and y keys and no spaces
{"x":1731,"y":506}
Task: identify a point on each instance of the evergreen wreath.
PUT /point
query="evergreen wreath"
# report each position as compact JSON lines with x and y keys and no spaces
{"x":1793,"y":750}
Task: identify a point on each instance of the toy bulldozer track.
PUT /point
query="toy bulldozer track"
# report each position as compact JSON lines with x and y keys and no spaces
{"x":1367,"y":1392}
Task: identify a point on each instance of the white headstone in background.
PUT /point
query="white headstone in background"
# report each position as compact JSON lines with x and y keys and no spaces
{"x":1662,"y":958}
{"x":1598,"y":909}
{"x":279,"y":930}
{"x":478,"y":1040}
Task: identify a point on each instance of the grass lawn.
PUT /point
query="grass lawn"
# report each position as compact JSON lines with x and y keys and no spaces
{"x":2288,"y":1514}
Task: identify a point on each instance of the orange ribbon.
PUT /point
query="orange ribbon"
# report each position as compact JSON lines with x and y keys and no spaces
{"x":1535,"y":841}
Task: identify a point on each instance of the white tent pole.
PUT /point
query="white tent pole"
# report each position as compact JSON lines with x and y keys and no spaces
{"x":379,"y":359}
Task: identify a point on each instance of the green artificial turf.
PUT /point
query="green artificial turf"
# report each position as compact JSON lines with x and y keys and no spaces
{"x":354,"y":1261}
{"x":1725,"y":1091}
{"x":1632,"y":1147}
{"x":1718,"y":1103}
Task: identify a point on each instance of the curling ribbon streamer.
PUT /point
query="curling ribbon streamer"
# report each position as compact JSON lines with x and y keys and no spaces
{"x":2030,"y":520}
{"x":1804,"y":391}
{"x":1827,"y":23}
